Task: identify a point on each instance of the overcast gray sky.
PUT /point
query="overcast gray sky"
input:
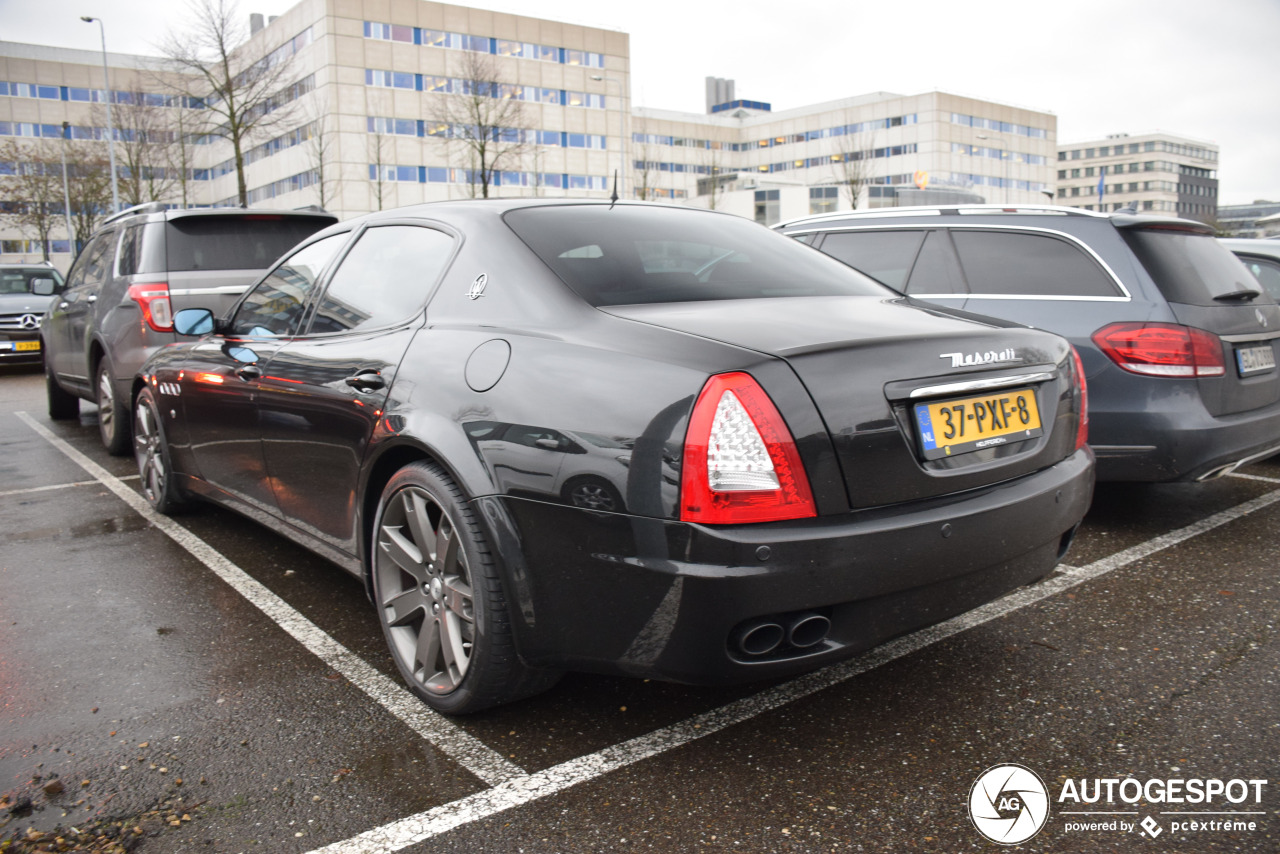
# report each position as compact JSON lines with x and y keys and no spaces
{"x":1203,"y":70}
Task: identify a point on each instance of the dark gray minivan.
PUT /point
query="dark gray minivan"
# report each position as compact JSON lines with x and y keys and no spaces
{"x":139,"y":268}
{"x":1178,"y":341}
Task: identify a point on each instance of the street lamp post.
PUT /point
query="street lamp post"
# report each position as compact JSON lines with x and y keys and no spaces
{"x":622,"y":126}
{"x":66,"y":195}
{"x":111,"y":128}
{"x":1005,"y":162}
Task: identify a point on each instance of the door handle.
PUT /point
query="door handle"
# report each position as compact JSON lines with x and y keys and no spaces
{"x":249,"y":373}
{"x":366,"y":381}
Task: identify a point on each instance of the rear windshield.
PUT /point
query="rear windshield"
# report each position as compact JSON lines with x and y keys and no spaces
{"x":235,"y":242}
{"x":1189,"y":268}
{"x":627,"y":254}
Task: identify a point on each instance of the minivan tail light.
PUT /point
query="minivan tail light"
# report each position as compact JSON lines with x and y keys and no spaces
{"x":1082,"y":428}
{"x":1162,"y":349}
{"x":153,"y":299}
{"x":740,"y":461}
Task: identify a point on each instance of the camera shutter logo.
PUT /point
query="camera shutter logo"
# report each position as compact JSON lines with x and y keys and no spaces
{"x":1009,"y":804}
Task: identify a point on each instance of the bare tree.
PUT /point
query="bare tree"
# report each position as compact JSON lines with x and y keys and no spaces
{"x":710,"y":186}
{"x":33,"y":194}
{"x":180,"y":154}
{"x":851,"y":163}
{"x":378,"y":144}
{"x":321,"y":142}
{"x":243,"y":95}
{"x":642,"y":180}
{"x":145,"y":133}
{"x":89,"y":186}
{"x":484,"y":124}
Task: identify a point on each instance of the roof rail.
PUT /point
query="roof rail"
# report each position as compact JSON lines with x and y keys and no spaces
{"x":937,"y":210}
{"x":149,"y":207}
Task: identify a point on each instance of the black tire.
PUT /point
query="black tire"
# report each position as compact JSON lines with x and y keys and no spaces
{"x":113,"y":413}
{"x":63,"y":406}
{"x":151,"y":449}
{"x":439,"y":598}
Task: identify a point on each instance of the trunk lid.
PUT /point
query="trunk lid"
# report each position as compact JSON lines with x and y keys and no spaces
{"x":870,"y":365}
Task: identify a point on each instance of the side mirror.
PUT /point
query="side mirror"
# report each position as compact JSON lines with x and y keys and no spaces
{"x":42,"y":287}
{"x":193,"y":321}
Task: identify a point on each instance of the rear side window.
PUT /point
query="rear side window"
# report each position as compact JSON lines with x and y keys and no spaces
{"x":244,"y":242}
{"x":628,"y":255}
{"x":885,"y":256}
{"x":1018,"y":263}
{"x":276,"y":304}
{"x":1189,"y":268}
{"x":384,"y":279}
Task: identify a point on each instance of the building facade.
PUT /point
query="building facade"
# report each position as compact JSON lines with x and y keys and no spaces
{"x":1247,"y":220}
{"x":1153,"y":173}
{"x":370,"y":120}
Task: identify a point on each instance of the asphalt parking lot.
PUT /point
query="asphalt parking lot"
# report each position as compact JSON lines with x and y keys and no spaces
{"x":200,"y":684}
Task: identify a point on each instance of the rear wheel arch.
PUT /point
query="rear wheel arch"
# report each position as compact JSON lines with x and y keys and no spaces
{"x":388,"y":461}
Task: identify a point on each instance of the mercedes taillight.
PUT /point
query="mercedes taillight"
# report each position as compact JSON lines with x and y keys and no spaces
{"x":1162,"y":349}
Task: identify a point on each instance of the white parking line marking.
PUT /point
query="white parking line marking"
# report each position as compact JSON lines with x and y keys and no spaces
{"x":32,"y":489}
{"x":516,"y":792}
{"x":446,"y":736}
{"x":1254,"y":477}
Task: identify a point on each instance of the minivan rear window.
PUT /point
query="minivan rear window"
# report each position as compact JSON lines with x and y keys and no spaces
{"x":1189,"y":268}
{"x":235,"y":242}
{"x":626,"y":255}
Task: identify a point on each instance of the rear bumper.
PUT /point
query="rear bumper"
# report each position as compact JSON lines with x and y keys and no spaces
{"x":668,"y":600}
{"x":1182,"y":442}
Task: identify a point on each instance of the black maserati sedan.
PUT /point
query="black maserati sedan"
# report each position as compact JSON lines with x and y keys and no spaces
{"x":621,"y":438}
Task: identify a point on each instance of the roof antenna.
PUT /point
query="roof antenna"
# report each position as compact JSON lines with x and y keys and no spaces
{"x":613,"y":200}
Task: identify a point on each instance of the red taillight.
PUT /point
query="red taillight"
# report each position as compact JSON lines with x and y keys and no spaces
{"x":153,"y":299}
{"x":740,"y":462}
{"x":1162,"y":349}
{"x":1082,"y":430}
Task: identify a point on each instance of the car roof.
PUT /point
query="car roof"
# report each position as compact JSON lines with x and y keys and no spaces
{"x":1252,"y":245}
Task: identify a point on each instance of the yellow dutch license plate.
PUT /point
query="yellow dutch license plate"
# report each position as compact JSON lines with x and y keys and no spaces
{"x":26,"y":345}
{"x":968,"y":424}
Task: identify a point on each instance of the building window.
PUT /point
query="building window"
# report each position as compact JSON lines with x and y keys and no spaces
{"x":823,"y":199}
{"x":768,"y":206}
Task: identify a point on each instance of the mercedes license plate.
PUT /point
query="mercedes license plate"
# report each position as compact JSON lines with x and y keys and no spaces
{"x":1255,"y":360}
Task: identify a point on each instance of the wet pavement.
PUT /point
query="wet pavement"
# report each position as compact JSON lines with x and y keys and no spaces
{"x":145,"y":685}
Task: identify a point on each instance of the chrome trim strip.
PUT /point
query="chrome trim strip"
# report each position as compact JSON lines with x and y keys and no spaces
{"x":1001,"y":227}
{"x":980,"y":385}
{"x":1257,"y":336}
{"x":225,"y":289}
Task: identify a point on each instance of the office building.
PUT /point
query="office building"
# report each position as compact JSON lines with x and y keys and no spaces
{"x":1151,"y":173}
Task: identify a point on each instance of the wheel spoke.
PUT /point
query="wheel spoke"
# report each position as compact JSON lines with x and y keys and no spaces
{"x":396,"y":545}
{"x":456,"y":653}
{"x":406,"y":606}
{"x":418,"y":520}
{"x":445,"y":555}
{"x":427,"y":653}
{"x":457,"y":597}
